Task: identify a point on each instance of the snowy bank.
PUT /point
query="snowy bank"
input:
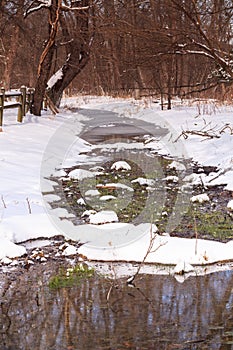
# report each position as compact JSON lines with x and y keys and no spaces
{"x":163,"y":250}
{"x":25,"y":213}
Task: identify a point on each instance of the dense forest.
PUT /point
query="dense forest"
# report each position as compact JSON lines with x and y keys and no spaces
{"x":163,"y":48}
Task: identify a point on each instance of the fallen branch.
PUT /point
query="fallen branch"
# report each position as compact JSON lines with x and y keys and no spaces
{"x":220,"y":173}
{"x":51,"y":105}
{"x":227,"y":126}
{"x":206,"y":134}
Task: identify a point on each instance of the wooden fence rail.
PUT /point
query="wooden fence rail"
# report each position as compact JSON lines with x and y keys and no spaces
{"x":22,"y":100}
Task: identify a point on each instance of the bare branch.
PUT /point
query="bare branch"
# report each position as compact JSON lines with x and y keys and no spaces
{"x":208,"y":47}
{"x":31,"y":9}
{"x":47,"y":4}
{"x":206,"y":134}
{"x":220,"y":173}
{"x":153,"y":236}
{"x":68,"y":8}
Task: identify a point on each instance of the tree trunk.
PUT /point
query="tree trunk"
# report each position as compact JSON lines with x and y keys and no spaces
{"x":76,"y":34}
{"x":46,"y":58}
{"x":70,"y":70}
{"x":13,"y":44}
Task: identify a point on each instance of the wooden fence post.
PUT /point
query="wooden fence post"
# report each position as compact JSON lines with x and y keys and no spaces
{"x":23,"y":90}
{"x":2,"y":98}
{"x":24,"y":100}
{"x":20,"y":109}
{"x":3,"y":91}
{"x":29,"y":94}
{"x":1,"y":110}
{"x":22,"y":104}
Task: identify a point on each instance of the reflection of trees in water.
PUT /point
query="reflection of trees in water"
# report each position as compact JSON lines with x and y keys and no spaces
{"x":157,"y":312}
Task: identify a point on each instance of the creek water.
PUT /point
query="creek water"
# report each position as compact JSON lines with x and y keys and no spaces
{"x":114,"y":137}
{"x":101,"y":126}
{"x":101,"y":313}
{"x":157,"y":312}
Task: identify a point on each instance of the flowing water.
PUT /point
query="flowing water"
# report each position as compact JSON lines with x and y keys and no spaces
{"x":100,"y":313}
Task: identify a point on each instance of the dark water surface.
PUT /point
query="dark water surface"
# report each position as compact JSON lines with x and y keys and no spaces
{"x":103,"y":126}
{"x":158,"y":313}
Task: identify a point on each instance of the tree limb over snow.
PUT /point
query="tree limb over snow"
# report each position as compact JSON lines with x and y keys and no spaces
{"x":42,"y":4}
{"x":39,"y":4}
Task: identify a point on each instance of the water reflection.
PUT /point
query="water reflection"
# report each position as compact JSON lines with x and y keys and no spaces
{"x":159,"y":313}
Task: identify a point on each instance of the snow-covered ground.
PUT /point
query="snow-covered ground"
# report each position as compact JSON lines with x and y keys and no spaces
{"x":29,"y":151}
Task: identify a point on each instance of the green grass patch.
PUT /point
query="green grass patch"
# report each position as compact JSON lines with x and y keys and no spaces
{"x":208,"y":223}
{"x":70,"y":277}
{"x":214,"y":224}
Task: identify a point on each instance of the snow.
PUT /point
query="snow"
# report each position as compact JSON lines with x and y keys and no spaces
{"x":177,"y":165}
{"x":54,"y":78}
{"x":144,"y":182}
{"x":115,"y":185}
{"x":121,"y":165}
{"x":88,"y":213}
{"x":70,"y":250}
{"x":103,"y":217}
{"x":81,"y":201}
{"x":10,"y":250}
{"x":92,"y":193}
{"x":25,"y":159}
{"x":171,"y":178}
{"x":80,"y":174}
{"x":107,"y":198}
{"x":165,"y":250}
{"x":230,"y":205}
{"x":200,"y":198}
{"x":183,"y":267}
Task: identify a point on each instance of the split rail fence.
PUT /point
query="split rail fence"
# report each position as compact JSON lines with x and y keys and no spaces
{"x":21,"y":99}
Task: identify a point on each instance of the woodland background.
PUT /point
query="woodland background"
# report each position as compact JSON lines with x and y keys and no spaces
{"x":163,"y":48}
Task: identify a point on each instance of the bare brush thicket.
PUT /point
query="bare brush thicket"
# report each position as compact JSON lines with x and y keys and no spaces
{"x":121,"y":47}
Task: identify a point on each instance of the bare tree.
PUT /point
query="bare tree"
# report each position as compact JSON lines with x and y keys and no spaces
{"x":10,"y":18}
{"x":166,"y":48}
{"x":77,"y":41}
{"x":70,"y":19}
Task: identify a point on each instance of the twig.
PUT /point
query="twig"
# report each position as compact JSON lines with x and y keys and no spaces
{"x":209,"y":134}
{"x":202,"y":183}
{"x":221,"y":172}
{"x":109,"y":292}
{"x":29,"y":206}
{"x":149,"y":250}
{"x":112,"y":284}
{"x":196,"y":233}
{"x":3,"y":202}
{"x":227,"y":126}
{"x":195,"y":341}
{"x":206,"y":134}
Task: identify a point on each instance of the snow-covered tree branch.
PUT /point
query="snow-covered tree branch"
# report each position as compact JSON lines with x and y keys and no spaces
{"x":36,"y":6}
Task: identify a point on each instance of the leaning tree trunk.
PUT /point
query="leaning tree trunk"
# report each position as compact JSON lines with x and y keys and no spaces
{"x":46,"y":58}
{"x":75,"y":30}
{"x":69,"y":71}
{"x":41,"y":83}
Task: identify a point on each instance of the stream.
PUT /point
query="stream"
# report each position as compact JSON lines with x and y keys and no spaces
{"x":100,"y":313}
{"x":145,"y":193}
